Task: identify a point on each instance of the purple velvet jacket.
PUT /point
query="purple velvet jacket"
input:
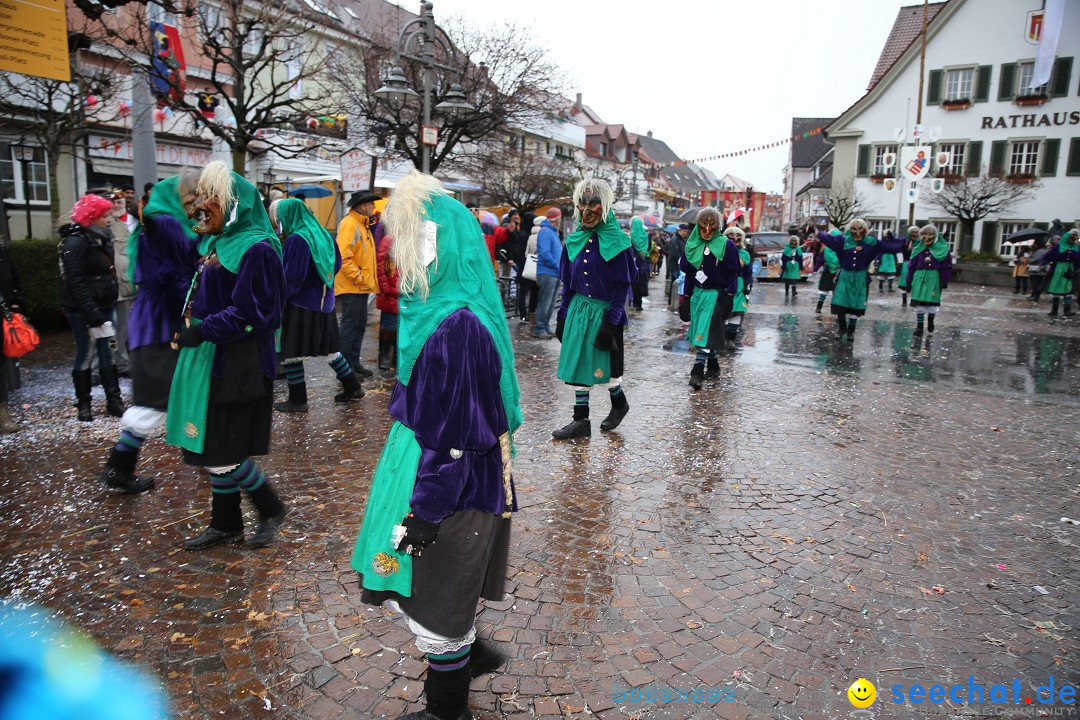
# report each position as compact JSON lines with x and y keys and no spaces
{"x":926,"y":261}
{"x":304,"y":287}
{"x":235,"y":307}
{"x":589,"y":275}
{"x":453,"y":402}
{"x":722,"y":275}
{"x":1054,"y":256}
{"x":861,"y":257}
{"x":164,"y":267}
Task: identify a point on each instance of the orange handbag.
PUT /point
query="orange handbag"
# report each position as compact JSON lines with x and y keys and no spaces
{"x":20,"y":337}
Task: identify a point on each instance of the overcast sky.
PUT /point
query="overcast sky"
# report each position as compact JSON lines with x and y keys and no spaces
{"x":706,"y":76}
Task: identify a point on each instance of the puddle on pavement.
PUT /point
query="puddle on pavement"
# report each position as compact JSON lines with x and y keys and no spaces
{"x":884,"y":350}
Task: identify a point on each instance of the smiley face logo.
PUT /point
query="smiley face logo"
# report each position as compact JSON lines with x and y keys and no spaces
{"x":862,"y":693}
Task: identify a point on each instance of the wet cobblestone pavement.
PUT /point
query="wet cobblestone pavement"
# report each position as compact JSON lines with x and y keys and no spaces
{"x":814,"y":515}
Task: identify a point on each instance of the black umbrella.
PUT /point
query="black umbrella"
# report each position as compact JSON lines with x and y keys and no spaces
{"x":1027,"y":235}
{"x":690,"y":215}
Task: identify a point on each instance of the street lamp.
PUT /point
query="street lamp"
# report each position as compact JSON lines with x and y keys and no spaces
{"x":396,"y":89}
{"x":25,"y":155}
{"x":268,"y":179}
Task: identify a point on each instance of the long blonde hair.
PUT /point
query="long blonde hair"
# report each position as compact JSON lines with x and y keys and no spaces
{"x":405,"y":220}
{"x":216,"y":182}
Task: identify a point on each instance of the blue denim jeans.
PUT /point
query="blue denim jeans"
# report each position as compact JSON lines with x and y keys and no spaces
{"x":82,"y":342}
{"x":354,"y":315}
{"x":546,"y":304}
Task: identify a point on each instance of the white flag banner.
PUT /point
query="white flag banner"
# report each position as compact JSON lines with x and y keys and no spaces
{"x":937,"y":184}
{"x":915,"y":161}
{"x":1053,"y":14}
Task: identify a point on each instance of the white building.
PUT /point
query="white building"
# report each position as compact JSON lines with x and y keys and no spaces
{"x":979,"y":60}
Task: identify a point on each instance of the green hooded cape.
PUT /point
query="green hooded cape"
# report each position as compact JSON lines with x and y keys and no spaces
{"x":849,"y":242}
{"x":246,"y":223}
{"x":296,"y":219}
{"x":938,"y":249}
{"x":639,"y":238}
{"x":612,"y":239}
{"x":165,"y":200}
{"x":695,"y":247}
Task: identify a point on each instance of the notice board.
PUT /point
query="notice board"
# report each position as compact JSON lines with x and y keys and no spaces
{"x":33,"y":38}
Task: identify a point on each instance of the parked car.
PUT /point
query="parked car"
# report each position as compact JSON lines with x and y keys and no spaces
{"x":766,"y":249}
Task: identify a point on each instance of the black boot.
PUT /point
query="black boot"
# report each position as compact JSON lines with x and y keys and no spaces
{"x":226,"y":523}
{"x":820,"y":304}
{"x":918,"y":328}
{"x":903,"y":300}
{"x":351,"y":389}
{"x":841,"y":326}
{"x":712,"y":368}
{"x":851,"y":330}
{"x":384,"y":350}
{"x":119,"y":473}
{"x":297,"y":401}
{"x":580,"y":427}
{"x":730,"y":333}
{"x":484,"y":658}
{"x":81,"y":380}
{"x":114,"y":402}
{"x":268,"y":526}
{"x":619,"y":408}
{"x":697,"y":375}
{"x":930,"y":324}
{"x":1068,"y":312}
{"x":1053,"y":313}
{"x":447,"y":694}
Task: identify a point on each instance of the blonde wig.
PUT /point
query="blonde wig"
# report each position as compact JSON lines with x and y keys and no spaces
{"x":858,"y":224}
{"x":590,"y":188}
{"x":710,"y":212}
{"x":216,"y":183}
{"x":930,"y":228}
{"x":404,"y":220}
{"x":735,"y":234}
{"x":272,"y":211}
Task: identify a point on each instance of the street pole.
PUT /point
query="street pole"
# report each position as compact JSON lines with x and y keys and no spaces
{"x":26,"y":195}
{"x":633,"y":189}
{"x":143,"y":140}
{"x":918,"y":111}
{"x":428,"y":54}
{"x":900,"y":191}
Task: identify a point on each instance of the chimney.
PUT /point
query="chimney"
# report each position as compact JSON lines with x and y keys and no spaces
{"x":648,"y":134}
{"x":577,"y":105}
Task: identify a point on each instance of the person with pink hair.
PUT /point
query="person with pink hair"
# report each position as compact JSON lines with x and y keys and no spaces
{"x":89,"y":299}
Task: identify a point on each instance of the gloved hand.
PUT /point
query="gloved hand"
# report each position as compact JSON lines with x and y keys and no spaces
{"x":684,"y":308}
{"x":189,"y":337}
{"x":419,"y":533}
{"x":559,"y":329}
{"x":605,"y":337}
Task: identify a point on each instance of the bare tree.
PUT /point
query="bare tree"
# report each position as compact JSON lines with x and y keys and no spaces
{"x":978,"y":197}
{"x":525,"y":180}
{"x":55,"y":114}
{"x":844,"y":203}
{"x":266,"y":65}
{"x":504,"y":74}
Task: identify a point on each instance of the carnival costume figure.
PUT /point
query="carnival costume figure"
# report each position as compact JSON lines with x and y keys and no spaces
{"x":639,"y":239}
{"x":436,"y":529}
{"x":828,"y":263}
{"x":907,"y":244}
{"x":886,"y":267}
{"x":740,"y":302}
{"x":929,"y":271}
{"x":1063,"y":264}
{"x":792,"y":266}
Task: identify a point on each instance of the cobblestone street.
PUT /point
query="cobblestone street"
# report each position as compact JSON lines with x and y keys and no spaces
{"x":816,"y":514}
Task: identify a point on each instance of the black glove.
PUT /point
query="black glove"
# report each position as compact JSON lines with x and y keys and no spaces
{"x":559,"y":329}
{"x":189,"y":337}
{"x":684,"y":308}
{"x":419,"y":533}
{"x":605,"y":337}
{"x":747,"y":289}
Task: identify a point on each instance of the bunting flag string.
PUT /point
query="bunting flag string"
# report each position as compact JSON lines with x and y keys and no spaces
{"x":738,"y":153}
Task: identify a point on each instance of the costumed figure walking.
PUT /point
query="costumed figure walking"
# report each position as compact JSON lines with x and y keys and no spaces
{"x":792,"y":266}
{"x":639,"y":239}
{"x":886,"y":267}
{"x":712,"y":268}
{"x":221,"y":404}
{"x":89,"y":297}
{"x":1063,"y":264}
{"x":828,"y":263}
{"x":436,"y":529}
{"x":387,"y":303}
{"x":929,"y":271}
{"x":907,"y":244}
{"x":597,"y":270}
{"x":740,"y":302}
{"x":309,"y":325}
{"x":163,"y":253}
{"x":856,"y":250}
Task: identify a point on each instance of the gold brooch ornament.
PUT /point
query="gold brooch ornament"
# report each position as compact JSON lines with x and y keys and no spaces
{"x":191,"y":431}
{"x":599,"y":373}
{"x":385,"y":564}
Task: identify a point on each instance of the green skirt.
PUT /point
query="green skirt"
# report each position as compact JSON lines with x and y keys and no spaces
{"x":886,"y":264}
{"x":926,"y":287}
{"x":189,"y":397}
{"x":375,"y":556}
{"x":738,"y":303}
{"x":702,"y":307}
{"x":792,"y":269}
{"x":850,"y":291}
{"x":902,"y":282}
{"x":579,"y":362}
{"x":1059,"y":284}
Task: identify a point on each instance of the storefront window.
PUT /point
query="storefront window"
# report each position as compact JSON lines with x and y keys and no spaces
{"x":1007,"y":229}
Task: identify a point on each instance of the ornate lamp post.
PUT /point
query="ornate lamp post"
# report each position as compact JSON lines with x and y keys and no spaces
{"x":25,"y":155}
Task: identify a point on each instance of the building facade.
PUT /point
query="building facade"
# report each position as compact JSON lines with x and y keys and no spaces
{"x":979,"y":116}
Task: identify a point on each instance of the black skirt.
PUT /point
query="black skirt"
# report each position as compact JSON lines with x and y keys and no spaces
{"x":466,"y":562}
{"x":235,"y":431}
{"x":923,"y":303}
{"x":827,"y":282}
{"x":152,"y":368}
{"x":306,"y":333}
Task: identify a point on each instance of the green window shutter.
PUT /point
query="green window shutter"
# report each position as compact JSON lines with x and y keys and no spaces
{"x":1041,"y":225}
{"x":1073,"y":165}
{"x":982,"y":85}
{"x":862,"y":168}
{"x":933,"y":90}
{"x":1060,"y":77}
{"x":1051,"y":149}
{"x":997,"y":157}
{"x":1006,"y":81}
{"x":989,"y":236}
{"x":974,"y":158}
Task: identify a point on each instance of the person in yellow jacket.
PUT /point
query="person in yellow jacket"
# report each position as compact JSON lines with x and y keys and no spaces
{"x":357,"y":279}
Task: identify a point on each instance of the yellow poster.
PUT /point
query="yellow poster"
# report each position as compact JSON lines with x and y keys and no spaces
{"x":33,"y":38}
